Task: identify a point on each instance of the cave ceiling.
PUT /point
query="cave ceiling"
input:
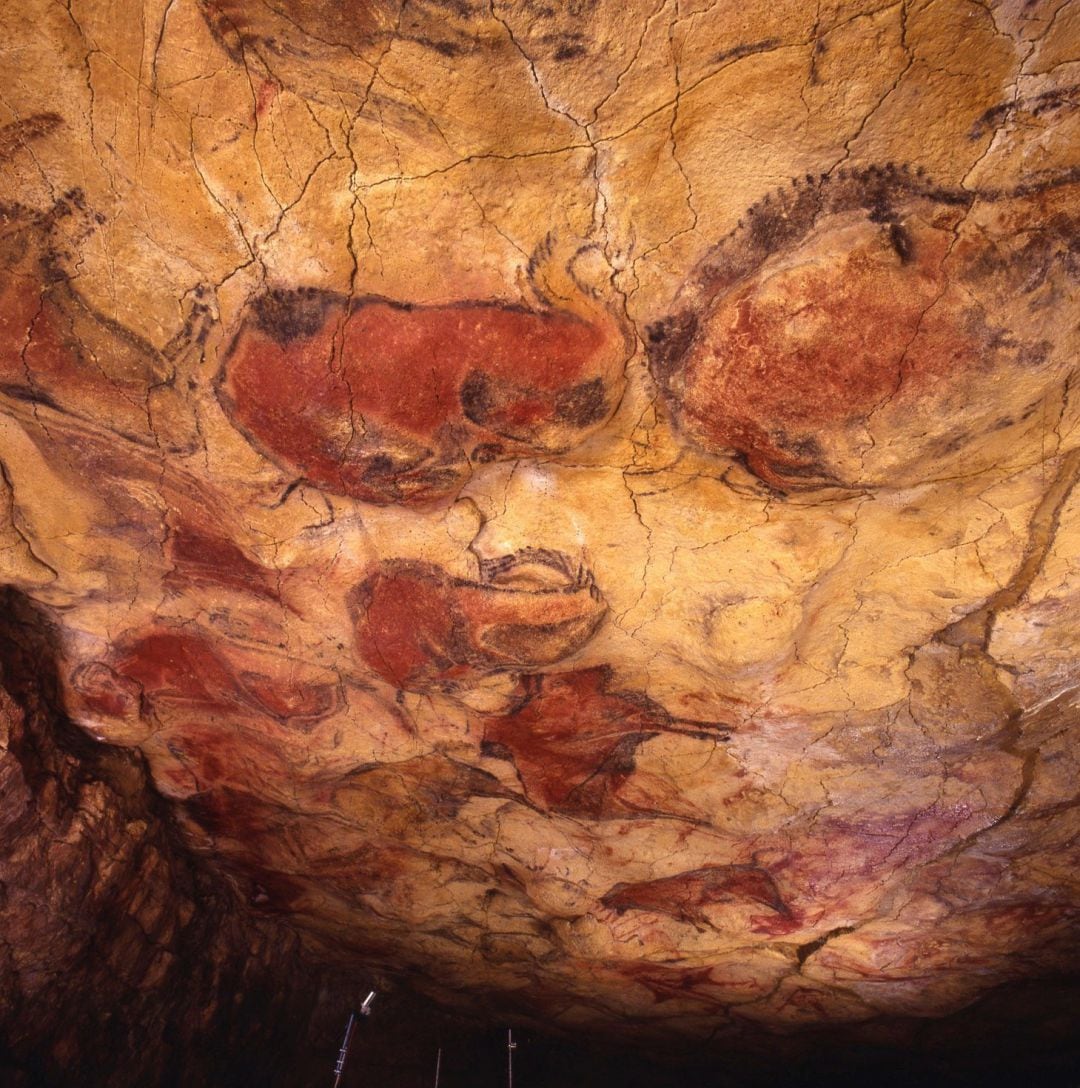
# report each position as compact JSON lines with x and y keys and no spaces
{"x":572,"y":502}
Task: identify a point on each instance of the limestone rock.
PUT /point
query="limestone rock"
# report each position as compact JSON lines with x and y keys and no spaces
{"x":573,"y":503}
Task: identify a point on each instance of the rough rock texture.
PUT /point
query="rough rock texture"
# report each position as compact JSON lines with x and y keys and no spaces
{"x":121,"y":961}
{"x":573,"y":503}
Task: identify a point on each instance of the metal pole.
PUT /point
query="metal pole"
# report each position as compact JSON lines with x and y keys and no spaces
{"x":511,"y":1046}
{"x":350,"y":1027}
{"x":438,"y":1063}
{"x":343,"y":1053}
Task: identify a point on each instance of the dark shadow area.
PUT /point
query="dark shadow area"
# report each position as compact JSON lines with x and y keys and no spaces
{"x":1011,"y":1038}
{"x":123,"y":959}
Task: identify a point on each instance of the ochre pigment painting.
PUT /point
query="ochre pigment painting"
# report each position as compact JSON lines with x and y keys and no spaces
{"x":564,"y":509}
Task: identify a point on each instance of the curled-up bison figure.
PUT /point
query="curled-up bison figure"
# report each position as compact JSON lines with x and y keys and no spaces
{"x":389,"y":402}
{"x":871,"y":329}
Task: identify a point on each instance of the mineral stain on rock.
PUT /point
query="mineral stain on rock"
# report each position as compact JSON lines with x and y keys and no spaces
{"x":420,"y":628}
{"x":445,"y":740}
{"x":202,"y":558}
{"x":572,"y":738}
{"x":688,"y":896}
{"x":315,"y":28}
{"x":388,"y":402}
{"x":187,"y":672}
{"x":56,"y":351}
{"x":866,"y":303}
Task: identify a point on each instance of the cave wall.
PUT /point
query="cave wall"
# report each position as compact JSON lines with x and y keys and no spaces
{"x":568,"y":506}
{"x":124,"y":961}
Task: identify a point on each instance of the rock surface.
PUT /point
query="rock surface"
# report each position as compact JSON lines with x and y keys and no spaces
{"x":573,"y":503}
{"x":122,"y":962}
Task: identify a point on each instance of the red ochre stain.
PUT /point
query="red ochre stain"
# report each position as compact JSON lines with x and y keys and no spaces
{"x":200,"y":559}
{"x":387,"y":402}
{"x":174,"y":669}
{"x":230,"y":756}
{"x":438,"y":788}
{"x":686,"y":896}
{"x":178,"y":666}
{"x":269,"y":890}
{"x":20,"y":311}
{"x":306,"y":25}
{"x":106,"y":692}
{"x":420,"y":628}
{"x":235,"y":813}
{"x":248,"y":833}
{"x":296,"y":704}
{"x":268,"y":91}
{"x":374,"y":869}
{"x":671,"y":983}
{"x":36,"y":360}
{"x":55,"y":351}
{"x":573,"y":740}
{"x":794,"y":360}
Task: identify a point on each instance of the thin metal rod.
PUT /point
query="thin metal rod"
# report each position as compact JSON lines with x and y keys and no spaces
{"x":438,"y":1064}
{"x":350,"y":1027}
{"x":343,"y":1053}
{"x":511,"y":1046}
